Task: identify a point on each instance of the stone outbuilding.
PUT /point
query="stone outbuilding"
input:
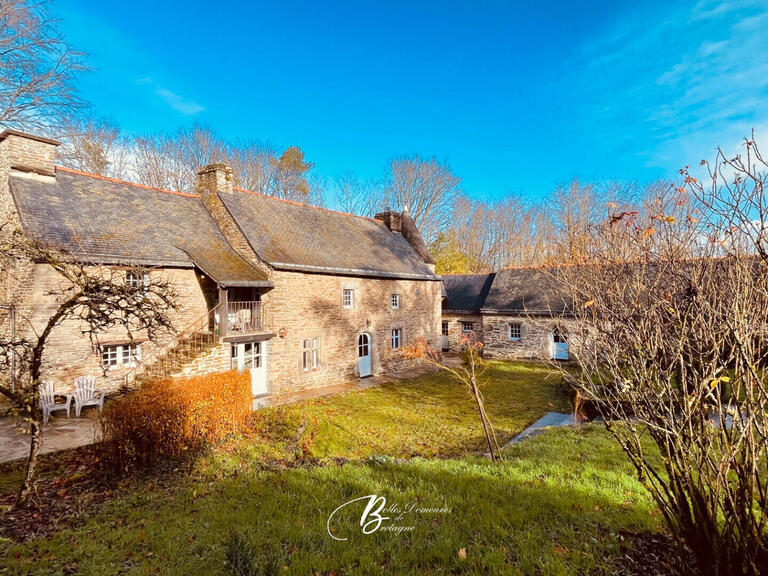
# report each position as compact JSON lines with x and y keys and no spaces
{"x":517,"y":313}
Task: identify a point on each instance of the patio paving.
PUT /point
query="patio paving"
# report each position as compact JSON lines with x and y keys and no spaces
{"x":60,"y":433}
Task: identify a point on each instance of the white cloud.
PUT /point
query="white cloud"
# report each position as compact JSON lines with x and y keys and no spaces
{"x":179,"y":103}
{"x":682,"y":82}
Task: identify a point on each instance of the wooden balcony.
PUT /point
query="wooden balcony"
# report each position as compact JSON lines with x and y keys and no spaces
{"x":241,"y":318}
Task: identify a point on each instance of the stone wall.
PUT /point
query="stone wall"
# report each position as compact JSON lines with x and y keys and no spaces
{"x":455,"y":333}
{"x":309,"y":306}
{"x":535,"y":341}
{"x":69,"y":353}
{"x":217,"y":359}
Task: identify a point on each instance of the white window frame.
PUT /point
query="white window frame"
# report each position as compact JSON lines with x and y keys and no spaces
{"x":347,"y":298}
{"x":396,"y":301}
{"x":397,"y":338}
{"x":444,"y":329}
{"x":515,"y":331}
{"x":116,"y":355}
{"x":464,"y":330}
{"x":136,"y":282}
{"x":251,"y":356}
{"x":309,"y":353}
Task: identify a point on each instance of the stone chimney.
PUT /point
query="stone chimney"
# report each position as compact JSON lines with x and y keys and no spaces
{"x":404,"y":224}
{"x":27,"y":153}
{"x":390,"y":218}
{"x":215,"y":178}
{"x":214,"y":182}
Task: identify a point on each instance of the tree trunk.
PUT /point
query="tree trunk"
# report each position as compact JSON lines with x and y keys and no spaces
{"x":482,"y":417}
{"x":35,"y":427}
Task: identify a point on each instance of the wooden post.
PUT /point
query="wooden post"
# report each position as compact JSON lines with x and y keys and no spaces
{"x":223,"y":312}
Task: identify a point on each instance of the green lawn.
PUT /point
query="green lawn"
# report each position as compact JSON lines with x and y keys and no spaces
{"x":427,"y":416}
{"x":556,"y":505}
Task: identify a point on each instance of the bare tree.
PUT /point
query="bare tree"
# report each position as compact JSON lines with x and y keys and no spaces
{"x":96,"y":297}
{"x":157,"y":162}
{"x":37,"y":66}
{"x":253,"y":166}
{"x":93,"y":146}
{"x":671,"y":308}
{"x":356,"y":196}
{"x":467,"y":373}
{"x":427,"y":187}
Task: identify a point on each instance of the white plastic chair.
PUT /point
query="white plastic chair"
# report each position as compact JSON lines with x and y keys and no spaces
{"x":48,"y":401}
{"x":86,"y":394}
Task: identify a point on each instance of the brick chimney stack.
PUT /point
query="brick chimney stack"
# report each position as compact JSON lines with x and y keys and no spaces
{"x":27,"y":153}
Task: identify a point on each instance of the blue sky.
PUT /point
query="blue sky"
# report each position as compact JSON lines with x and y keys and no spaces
{"x":515,"y":96}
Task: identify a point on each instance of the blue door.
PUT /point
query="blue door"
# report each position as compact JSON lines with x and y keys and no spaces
{"x":561,"y":345}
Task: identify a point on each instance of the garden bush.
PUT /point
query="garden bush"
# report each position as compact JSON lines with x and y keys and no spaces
{"x":166,"y":420}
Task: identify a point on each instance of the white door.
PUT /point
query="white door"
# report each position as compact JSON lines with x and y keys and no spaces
{"x":252,"y":356}
{"x":364,"y":354}
{"x":561,"y":346}
{"x":445,"y":336}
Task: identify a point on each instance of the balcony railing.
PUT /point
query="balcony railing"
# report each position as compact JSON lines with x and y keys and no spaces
{"x":244,"y":318}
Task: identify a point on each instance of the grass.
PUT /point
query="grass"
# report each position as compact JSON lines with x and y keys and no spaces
{"x":556,"y":505}
{"x":428,"y":416}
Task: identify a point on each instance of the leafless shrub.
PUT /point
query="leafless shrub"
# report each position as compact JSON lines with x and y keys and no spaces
{"x":671,"y":309}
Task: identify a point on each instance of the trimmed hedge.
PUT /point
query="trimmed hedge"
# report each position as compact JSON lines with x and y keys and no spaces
{"x":166,"y":420}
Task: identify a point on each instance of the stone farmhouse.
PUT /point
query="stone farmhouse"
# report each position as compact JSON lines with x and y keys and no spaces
{"x":299,"y":295}
{"x":516,"y":314}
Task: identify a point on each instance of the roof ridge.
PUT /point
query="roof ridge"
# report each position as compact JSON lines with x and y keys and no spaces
{"x":305,"y":205}
{"x":118,"y":181}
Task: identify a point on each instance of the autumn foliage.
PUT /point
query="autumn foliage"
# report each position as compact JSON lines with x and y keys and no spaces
{"x":169,"y":419}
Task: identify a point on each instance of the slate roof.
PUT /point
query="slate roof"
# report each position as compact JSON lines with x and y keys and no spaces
{"x":515,"y":291}
{"x":294,"y":236}
{"x":466,"y":292}
{"x":525,"y":290}
{"x":115,"y":222}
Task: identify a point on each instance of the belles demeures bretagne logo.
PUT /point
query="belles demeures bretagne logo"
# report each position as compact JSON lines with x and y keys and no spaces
{"x":377,"y":516}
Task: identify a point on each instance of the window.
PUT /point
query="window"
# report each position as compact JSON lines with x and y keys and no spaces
{"x":309,"y":353}
{"x":467,"y":327}
{"x":515,"y":331}
{"x":247,"y":355}
{"x":445,"y":328}
{"x":120,"y":354}
{"x":397,"y":338}
{"x":137,"y":281}
{"x":395,"y":301}
{"x":348,"y":298}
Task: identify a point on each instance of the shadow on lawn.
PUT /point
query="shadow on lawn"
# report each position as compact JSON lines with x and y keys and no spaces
{"x":566,"y":503}
{"x":505,"y":521}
